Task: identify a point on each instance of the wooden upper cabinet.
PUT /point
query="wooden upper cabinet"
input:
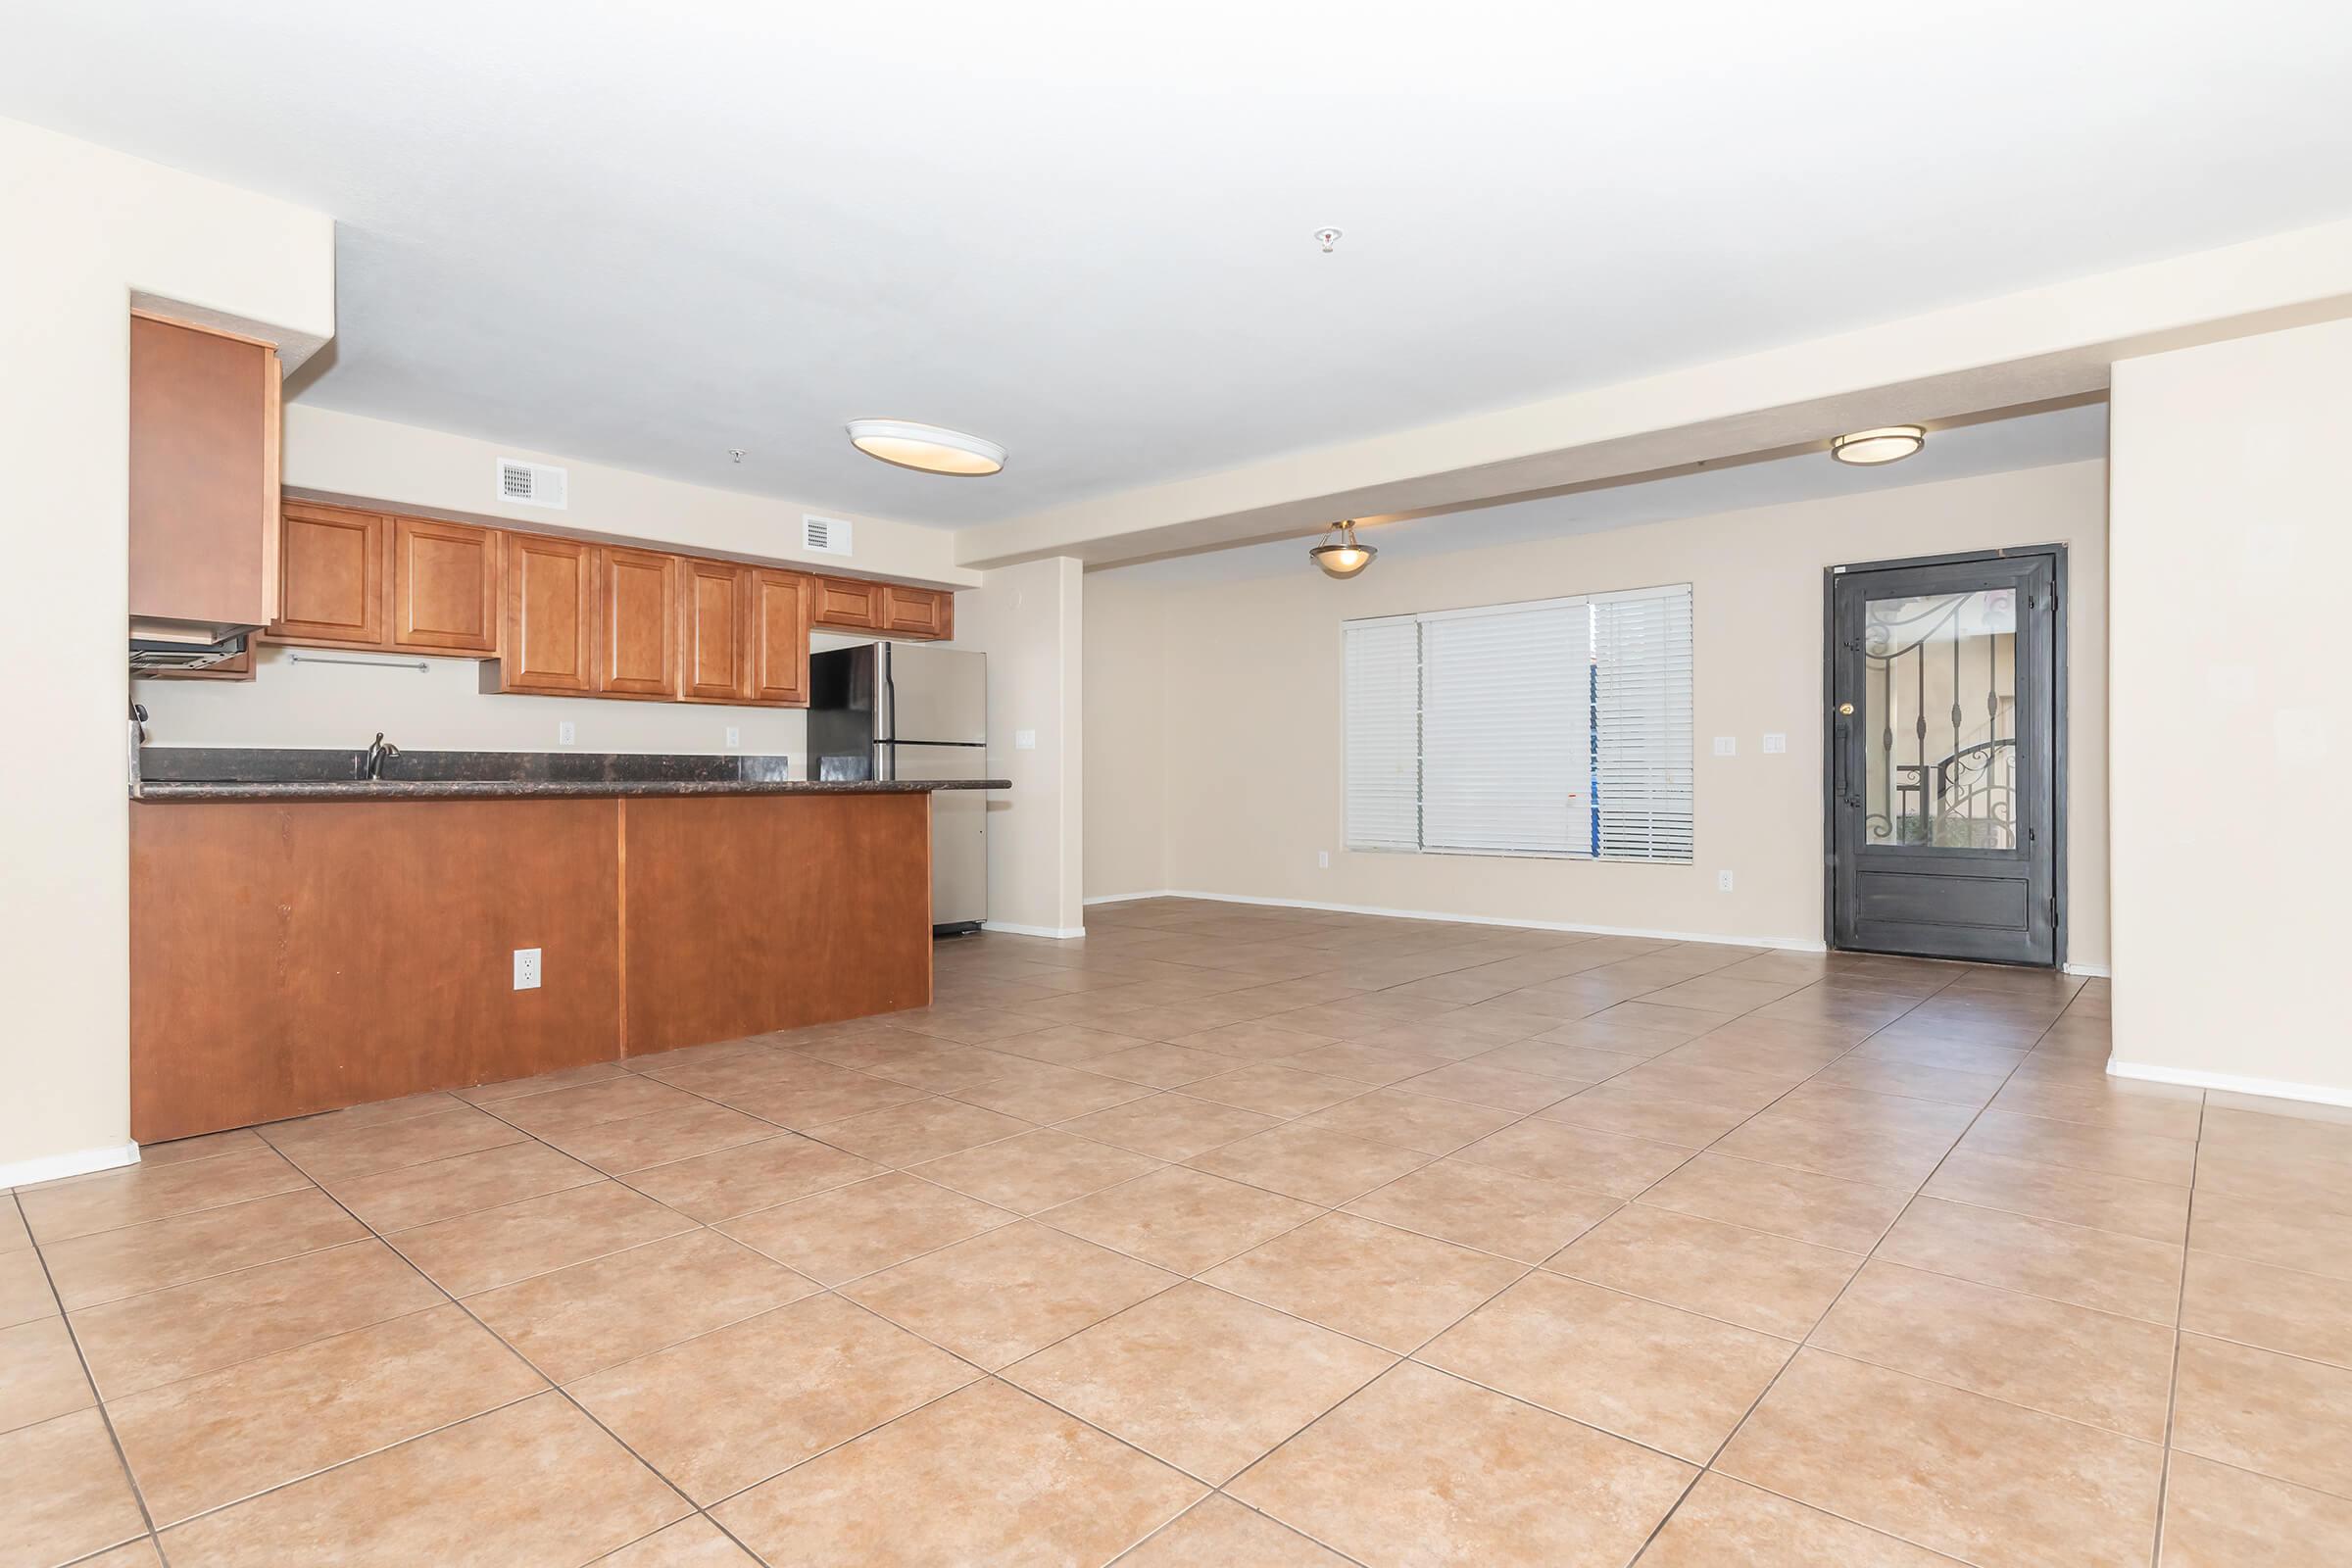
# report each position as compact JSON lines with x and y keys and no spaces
{"x":917,"y":612}
{"x":717,"y":665}
{"x":777,"y":622}
{"x":204,"y":450}
{"x":637,"y":618}
{"x":844,"y":604}
{"x":445,"y":586}
{"x":848,"y":604}
{"x":550,"y":632}
{"x":331,"y":576}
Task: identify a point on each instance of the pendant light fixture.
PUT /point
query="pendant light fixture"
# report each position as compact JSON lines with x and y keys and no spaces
{"x":1344,"y":557}
{"x":1888,"y":443}
{"x":926,"y":447}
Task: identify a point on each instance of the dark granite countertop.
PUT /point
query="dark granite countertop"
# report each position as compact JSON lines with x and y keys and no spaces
{"x":476,"y":789}
{"x":304,"y":773}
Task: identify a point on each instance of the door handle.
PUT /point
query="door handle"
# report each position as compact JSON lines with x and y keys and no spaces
{"x":1845,"y":709}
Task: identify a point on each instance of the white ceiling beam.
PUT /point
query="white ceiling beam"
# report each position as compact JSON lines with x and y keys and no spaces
{"x":2053,"y":342}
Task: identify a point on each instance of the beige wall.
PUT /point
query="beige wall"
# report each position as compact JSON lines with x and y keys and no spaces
{"x":376,"y":460}
{"x":2232,"y":545}
{"x":1030,"y":622}
{"x":1126,"y":763}
{"x":88,"y":229}
{"x":1250,"y":748}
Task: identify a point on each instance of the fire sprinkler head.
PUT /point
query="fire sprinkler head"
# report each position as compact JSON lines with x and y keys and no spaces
{"x":1327,"y":237}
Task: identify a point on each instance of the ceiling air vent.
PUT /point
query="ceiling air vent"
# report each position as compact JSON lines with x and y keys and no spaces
{"x":531,"y":484}
{"x":827,"y":536}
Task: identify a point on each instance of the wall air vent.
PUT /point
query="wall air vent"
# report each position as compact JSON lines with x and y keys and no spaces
{"x":827,"y":536}
{"x":531,"y":484}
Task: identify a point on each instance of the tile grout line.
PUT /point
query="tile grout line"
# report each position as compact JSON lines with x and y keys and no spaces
{"x":130,"y":1477}
{"x":1840,"y":1297}
{"x":2171,"y":1400}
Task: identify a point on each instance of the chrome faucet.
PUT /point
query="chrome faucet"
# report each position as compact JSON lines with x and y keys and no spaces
{"x":371,"y":764}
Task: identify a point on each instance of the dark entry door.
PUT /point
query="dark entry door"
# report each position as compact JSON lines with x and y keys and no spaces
{"x":1945,"y":817}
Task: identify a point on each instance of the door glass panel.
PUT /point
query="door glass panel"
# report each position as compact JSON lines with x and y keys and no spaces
{"x":1939,"y":696}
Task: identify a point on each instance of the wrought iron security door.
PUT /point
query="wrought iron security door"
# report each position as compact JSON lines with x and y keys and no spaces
{"x":1945,"y":812}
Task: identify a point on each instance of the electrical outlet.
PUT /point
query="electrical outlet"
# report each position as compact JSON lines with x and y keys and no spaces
{"x":1776,"y":744}
{"x":526,"y":968}
{"x":1723,"y":881}
{"x":734,"y":738}
{"x":1323,"y":859}
{"x":1727,"y":746}
{"x":566,"y":733}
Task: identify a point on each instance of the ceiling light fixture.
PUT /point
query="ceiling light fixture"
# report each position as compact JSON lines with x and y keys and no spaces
{"x":1888,"y":443}
{"x":926,"y":447}
{"x":1345,"y":557}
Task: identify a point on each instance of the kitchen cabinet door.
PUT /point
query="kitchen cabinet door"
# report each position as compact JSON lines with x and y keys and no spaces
{"x":916,"y":612}
{"x":846,"y":605}
{"x":636,"y":622}
{"x":204,"y":460}
{"x":549,"y":644}
{"x":717,"y":647}
{"x":778,"y":627}
{"x":445,"y":586}
{"x":331,"y":577}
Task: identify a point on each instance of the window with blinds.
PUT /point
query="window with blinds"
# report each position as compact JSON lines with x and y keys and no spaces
{"x":1557,"y":727}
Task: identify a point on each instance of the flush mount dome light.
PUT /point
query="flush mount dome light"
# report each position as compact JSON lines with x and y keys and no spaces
{"x":926,"y":447}
{"x":1344,"y":557}
{"x":1888,"y":443}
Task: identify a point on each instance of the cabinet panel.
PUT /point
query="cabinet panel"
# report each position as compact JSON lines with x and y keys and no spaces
{"x":915,"y":612}
{"x":637,"y":623}
{"x":331,"y":577}
{"x":203,"y":450}
{"x":551,"y":615}
{"x":445,"y":582}
{"x":717,"y":666}
{"x":780,"y":637}
{"x":848,"y":605}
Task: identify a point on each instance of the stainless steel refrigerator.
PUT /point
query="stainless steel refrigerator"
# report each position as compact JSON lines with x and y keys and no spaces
{"x":898,"y":710}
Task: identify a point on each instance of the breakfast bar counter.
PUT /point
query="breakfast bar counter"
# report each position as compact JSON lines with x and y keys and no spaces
{"x":301,"y":945}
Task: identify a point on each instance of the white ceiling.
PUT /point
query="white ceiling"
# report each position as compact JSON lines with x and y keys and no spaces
{"x":2028,"y":441}
{"x":642,"y":235}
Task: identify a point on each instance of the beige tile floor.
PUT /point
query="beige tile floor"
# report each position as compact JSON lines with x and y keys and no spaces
{"x":1228,"y":1236}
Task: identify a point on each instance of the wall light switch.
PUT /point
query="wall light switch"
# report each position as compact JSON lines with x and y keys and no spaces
{"x":1024,"y":740}
{"x":1775,"y":744}
{"x":734,"y":738}
{"x":526,"y":968}
{"x":1723,"y":881}
{"x":1323,"y":859}
{"x":1727,"y":746}
{"x":566,"y":733}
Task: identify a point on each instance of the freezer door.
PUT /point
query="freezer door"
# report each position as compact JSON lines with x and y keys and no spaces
{"x":959,"y":829}
{"x":934,"y":695}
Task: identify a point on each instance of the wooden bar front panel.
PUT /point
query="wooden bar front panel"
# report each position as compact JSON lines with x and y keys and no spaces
{"x":287,"y":959}
{"x":755,"y":913}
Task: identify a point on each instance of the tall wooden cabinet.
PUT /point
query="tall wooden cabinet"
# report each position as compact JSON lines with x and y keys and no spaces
{"x":204,"y":459}
{"x":778,"y":624}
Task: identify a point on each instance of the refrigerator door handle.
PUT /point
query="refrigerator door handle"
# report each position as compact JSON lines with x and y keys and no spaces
{"x":890,"y":695}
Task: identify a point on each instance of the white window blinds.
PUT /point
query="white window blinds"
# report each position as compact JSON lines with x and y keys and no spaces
{"x":1558,"y":727}
{"x":1503,"y":751}
{"x":1641,"y":725}
{"x":1384,"y":734}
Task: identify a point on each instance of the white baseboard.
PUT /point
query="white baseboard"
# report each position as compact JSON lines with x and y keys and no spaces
{"x":1784,"y":943}
{"x":81,"y":1162}
{"x":1058,"y":933}
{"x":2091,"y":971}
{"x":2268,"y":1088}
